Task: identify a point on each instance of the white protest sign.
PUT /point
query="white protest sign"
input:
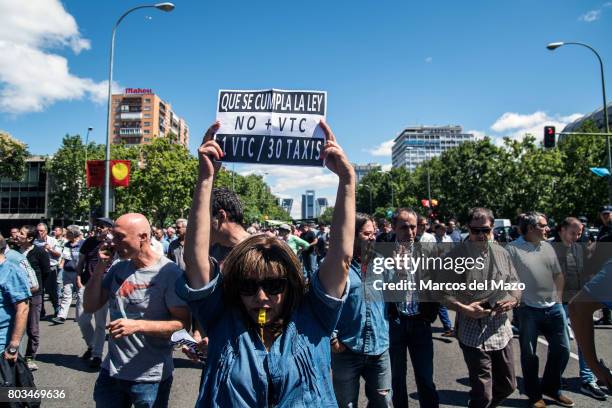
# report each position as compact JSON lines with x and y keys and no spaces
{"x":271,"y":126}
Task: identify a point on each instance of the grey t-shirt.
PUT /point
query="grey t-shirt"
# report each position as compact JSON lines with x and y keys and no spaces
{"x":145,"y":294}
{"x":537,"y":267}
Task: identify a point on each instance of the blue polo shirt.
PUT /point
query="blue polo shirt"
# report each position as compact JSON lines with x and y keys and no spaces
{"x":15,"y":288}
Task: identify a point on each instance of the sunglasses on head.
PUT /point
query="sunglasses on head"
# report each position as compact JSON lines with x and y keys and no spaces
{"x":271,"y":286}
{"x":483,"y":230}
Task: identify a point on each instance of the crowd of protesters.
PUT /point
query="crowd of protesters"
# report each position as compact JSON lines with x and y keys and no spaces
{"x":287,"y":315}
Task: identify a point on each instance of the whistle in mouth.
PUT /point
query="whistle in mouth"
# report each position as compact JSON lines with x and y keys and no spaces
{"x":261,"y":319}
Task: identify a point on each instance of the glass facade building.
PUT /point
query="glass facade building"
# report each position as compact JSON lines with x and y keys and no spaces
{"x":417,"y":144}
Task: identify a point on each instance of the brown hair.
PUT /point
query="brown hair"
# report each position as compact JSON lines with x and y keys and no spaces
{"x":261,"y":256}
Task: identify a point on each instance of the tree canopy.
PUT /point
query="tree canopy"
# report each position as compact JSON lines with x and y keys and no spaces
{"x":13,"y":155}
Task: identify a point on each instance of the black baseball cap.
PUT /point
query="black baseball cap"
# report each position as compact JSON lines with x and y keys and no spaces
{"x":606,"y":208}
{"x":107,"y":222}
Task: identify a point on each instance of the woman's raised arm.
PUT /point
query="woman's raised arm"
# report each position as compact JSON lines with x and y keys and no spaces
{"x":197,"y":240}
{"x":334,"y":269}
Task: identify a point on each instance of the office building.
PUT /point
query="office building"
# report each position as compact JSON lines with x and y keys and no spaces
{"x":596,"y":117}
{"x":321,"y":205}
{"x":286,"y":204}
{"x":416,"y":144}
{"x":362,"y":169}
{"x":308,"y":205}
{"x":24,"y":202}
{"x":138,"y":116}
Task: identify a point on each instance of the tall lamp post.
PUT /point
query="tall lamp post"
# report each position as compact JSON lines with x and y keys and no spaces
{"x":166,"y":6}
{"x":89,"y":129}
{"x":553,"y":46}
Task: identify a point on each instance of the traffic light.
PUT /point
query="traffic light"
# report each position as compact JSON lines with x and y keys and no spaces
{"x":549,"y":136}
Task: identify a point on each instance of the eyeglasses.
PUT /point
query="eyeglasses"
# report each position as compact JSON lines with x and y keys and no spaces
{"x":477,"y":231}
{"x":542,"y":226}
{"x":271,"y":286}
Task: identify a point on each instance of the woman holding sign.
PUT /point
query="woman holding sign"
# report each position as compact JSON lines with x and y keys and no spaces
{"x":269,"y":337}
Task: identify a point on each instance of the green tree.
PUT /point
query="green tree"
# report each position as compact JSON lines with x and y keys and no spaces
{"x":326,"y":217}
{"x":69,"y":197}
{"x":579,"y":191}
{"x":162,"y":182}
{"x":13,"y":155}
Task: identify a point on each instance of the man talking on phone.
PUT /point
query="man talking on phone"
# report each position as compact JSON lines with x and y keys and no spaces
{"x":483,"y":327}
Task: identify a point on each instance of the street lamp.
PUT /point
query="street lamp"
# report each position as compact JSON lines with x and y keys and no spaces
{"x":165,"y":6}
{"x":89,"y":129}
{"x":553,"y":46}
{"x":388,"y":174}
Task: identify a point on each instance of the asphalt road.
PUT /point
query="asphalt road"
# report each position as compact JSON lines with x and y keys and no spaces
{"x":60,"y":367}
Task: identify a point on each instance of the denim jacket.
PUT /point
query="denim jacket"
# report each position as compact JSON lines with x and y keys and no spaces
{"x":295,"y":372}
{"x":363,"y":326}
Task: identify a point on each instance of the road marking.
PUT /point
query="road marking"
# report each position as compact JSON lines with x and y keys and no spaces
{"x":544,"y":342}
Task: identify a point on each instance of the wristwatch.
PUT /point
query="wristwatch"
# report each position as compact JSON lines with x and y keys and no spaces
{"x":11,"y":350}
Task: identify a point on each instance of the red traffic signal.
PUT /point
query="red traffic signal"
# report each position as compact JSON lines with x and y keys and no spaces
{"x":549,"y":136}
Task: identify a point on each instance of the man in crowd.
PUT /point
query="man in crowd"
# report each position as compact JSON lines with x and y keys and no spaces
{"x":295,"y":243}
{"x":13,"y":239}
{"x":159,"y":238}
{"x":308,"y":254}
{"x":541,"y":312}
{"x":226,"y":223}
{"x":571,"y":258}
{"x":440,"y":234}
{"x":39,"y":261}
{"x":483,"y":326}
{"x":177,"y":247}
{"x":144,"y":310}
{"x":14,"y":306}
{"x":385,"y":231}
{"x":410,"y":326}
{"x":361,"y":347}
{"x":453,"y":232}
{"x":422,"y":234}
{"x":322,"y":242}
{"x":170,"y":234}
{"x":70,"y":256}
{"x":51,"y":282}
{"x":93,"y":334}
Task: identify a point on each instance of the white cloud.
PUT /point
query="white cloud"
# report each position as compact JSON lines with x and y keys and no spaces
{"x":428,"y":59}
{"x":32,"y":77}
{"x":291,"y":181}
{"x":590,"y":16}
{"x":516,"y":125}
{"x":478,"y":134}
{"x":383,"y":149}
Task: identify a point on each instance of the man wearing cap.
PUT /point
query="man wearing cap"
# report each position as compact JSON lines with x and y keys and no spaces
{"x":88,"y":259}
{"x":295,"y":243}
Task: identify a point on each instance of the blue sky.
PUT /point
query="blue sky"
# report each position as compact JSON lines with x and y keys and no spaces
{"x":385,"y":65}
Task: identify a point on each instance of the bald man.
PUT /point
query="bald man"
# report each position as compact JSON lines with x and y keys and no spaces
{"x":144,"y":312}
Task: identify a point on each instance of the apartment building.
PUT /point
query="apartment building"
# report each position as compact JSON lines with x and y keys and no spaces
{"x":139,"y":115}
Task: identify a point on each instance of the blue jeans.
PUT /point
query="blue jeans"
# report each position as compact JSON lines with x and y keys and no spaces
{"x":413,"y":334}
{"x":116,"y":393}
{"x":551,"y":322}
{"x":586,"y":375}
{"x":347,"y":367}
{"x":444,"y":319}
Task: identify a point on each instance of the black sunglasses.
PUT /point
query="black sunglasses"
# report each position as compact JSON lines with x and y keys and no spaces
{"x":271,"y":286}
{"x":483,"y":230}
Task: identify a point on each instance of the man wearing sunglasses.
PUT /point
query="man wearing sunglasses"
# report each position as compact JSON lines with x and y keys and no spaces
{"x":483,"y":327}
{"x":541,"y":312}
